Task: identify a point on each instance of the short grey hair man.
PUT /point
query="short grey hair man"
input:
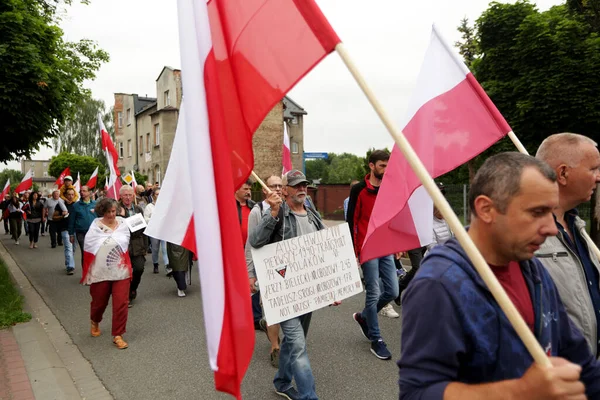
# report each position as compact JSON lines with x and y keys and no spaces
{"x":567,"y":256}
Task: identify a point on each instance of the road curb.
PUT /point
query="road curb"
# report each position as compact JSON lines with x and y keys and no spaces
{"x":56,"y":367}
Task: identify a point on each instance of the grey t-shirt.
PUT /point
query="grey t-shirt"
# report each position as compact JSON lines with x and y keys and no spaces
{"x":51,"y":205}
{"x":303,"y":224}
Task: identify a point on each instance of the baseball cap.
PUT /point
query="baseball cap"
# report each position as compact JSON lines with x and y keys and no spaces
{"x":294,"y":177}
{"x":68,"y":177}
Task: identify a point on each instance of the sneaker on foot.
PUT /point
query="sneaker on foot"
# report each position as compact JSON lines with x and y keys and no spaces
{"x":364,"y":329}
{"x":180,"y":293}
{"x":120,"y":343}
{"x":95,"y":329}
{"x":16,"y":242}
{"x":155,"y":269}
{"x":290,"y":394}
{"x":169,"y":271}
{"x":380,"y":350}
{"x":69,"y":271}
{"x":388,"y":311}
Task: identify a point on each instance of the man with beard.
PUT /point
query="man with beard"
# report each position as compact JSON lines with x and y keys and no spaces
{"x":457,"y":343}
{"x":297,"y":220}
{"x":244,"y":206}
{"x":360,"y":206}
{"x":569,"y":259}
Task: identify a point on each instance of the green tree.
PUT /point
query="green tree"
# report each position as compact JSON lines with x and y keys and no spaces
{"x":84,"y":165}
{"x":79,"y":134}
{"x":467,"y":47}
{"x":41,"y":75}
{"x":317,"y":169}
{"x":344,"y":168}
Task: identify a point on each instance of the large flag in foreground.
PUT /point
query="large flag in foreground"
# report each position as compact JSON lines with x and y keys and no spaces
{"x":114,"y":183}
{"x":450,"y":120}
{"x":26,"y":182}
{"x":237,"y":63}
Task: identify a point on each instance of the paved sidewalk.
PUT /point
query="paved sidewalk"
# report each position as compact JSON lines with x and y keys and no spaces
{"x":38,"y":359}
{"x":14,"y":381}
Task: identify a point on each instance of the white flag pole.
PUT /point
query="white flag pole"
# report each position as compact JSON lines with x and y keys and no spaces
{"x":441,"y":203}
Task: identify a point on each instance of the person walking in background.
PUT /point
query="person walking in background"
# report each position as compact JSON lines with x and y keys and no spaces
{"x":347,"y":199}
{"x":15,"y":217}
{"x":43,"y":198}
{"x":179,"y":258}
{"x":4,"y":213}
{"x":69,"y":248}
{"x":107,"y":269}
{"x":55,"y":211}
{"x":138,"y":243}
{"x":81,"y":218}
{"x":381,"y":282}
{"x":156,"y":245}
{"x":34,"y":210}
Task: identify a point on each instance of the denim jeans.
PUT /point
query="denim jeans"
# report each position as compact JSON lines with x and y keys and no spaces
{"x":156,"y":245}
{"x":293,"y":359}
{"x":380,"y":268}
{"x":69,"y":250}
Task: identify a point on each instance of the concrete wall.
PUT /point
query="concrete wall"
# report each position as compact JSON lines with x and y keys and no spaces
{"x":267,"y":143}
{"x":170,"y":80}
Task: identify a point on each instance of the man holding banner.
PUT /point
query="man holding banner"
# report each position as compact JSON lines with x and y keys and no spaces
{"x":457,"y":343}
{"x":296,"y":220}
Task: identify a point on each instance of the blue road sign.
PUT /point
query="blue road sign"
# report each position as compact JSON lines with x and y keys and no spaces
{"x":316,"y":155}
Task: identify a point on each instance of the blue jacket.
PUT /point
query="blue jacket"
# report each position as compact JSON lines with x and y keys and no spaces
{"x":81,"y":217}
{"x":454,"y":331}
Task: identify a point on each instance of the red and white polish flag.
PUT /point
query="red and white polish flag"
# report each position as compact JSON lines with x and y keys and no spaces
{"x":61,"y":178}
{"x":91,"y":183}
{"x":286,"y":160}
{"x":6,"y":190}
{"x":133,"y":181}
{"x":26,"y":182}
{"x":236,"y":65}
{"x":77,"y":186}
{"x":450,"y":120}
{"x":114,"y":183}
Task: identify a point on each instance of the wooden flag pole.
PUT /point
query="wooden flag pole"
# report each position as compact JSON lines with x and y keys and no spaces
{"x":584,"y":233}
{"x":440,"y":201}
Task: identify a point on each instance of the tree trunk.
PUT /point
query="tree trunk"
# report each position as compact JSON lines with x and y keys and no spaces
{"x":595,"y":217}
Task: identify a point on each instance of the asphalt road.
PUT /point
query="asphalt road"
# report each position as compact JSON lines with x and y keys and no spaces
{"x":167,"y":356}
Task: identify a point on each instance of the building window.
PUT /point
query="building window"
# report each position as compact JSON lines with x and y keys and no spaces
{"x":129,"y":116}
{"x":141,"y":145}
{"x":167,"y":98}
{"x":45,"y":164}
{"x":129,"y":148}
{"x":120,"y":118}
{"x":294,"y":148}
{"x":32,"y":173}
{"x":120,"y":149}
{"x":45,"y":174}
{"x":157,"y":174}
{"x":148,"y":142}
{"x":157,"y":135}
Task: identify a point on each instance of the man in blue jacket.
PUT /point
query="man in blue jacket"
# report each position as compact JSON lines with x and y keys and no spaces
{"x":83,"y":215}
{"x":456,"y":341}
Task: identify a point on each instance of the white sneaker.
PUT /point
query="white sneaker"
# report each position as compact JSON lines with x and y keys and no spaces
{"x":388,"y":311}
{"x":16,"y":242}
{"x":180,"y":293}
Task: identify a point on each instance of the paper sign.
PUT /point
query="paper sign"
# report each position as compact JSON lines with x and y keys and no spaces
{"x":135,"y":222}
{"x":305,"y":273}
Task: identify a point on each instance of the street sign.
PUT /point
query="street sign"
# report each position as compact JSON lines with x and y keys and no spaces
{"x":316,"y":155}
{"x":128,"y":179}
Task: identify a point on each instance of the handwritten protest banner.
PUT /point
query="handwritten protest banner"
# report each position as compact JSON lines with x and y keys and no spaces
{"x":305,"y":273}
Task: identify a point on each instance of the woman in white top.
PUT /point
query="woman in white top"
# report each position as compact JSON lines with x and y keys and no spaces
{"x":107,"y":269}
{"x":156,"y":244}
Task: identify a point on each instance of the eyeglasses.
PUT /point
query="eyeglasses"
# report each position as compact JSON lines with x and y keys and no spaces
{"x":275,"y":186}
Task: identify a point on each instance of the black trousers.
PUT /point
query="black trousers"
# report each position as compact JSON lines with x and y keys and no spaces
{"x":137,"y":265}
{"x":179,"y":277}
{"x":54,"y":228}
{"x":80,"y":236}
{"x":34,"y":231}
{"x":416,"y":256}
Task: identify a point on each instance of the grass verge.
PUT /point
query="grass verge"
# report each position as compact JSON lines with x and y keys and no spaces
{"x":11,"y":301}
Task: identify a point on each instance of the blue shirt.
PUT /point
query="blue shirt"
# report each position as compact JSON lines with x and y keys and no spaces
{"x":579,"y":247}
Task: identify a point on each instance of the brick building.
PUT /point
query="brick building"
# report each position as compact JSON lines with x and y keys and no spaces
{"x":145,"y":129}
